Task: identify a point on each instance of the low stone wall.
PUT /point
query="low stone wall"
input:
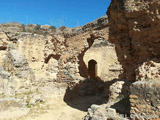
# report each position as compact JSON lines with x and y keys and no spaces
{"x":145,"y":100}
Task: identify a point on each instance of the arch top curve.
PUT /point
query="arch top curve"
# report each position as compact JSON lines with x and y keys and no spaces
{"x":92,"y":61}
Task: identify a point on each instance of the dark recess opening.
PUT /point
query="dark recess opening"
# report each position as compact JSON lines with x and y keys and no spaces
{"x":57,"y":57}
{"x":82,"y":67}
{"x":3,"y":47}
{"x":92,"y":69}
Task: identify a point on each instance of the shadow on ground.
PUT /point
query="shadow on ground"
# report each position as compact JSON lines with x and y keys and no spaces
{"x":122,"y":107}
{"x":88,"y":92}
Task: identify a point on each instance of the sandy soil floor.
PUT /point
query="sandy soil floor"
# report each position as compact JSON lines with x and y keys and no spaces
{"x":57,"y":110}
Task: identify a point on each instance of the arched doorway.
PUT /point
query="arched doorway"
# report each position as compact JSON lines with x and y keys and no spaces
{"x":92,"y":69}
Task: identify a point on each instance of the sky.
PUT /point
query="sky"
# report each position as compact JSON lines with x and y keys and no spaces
{"x":58,"y":13}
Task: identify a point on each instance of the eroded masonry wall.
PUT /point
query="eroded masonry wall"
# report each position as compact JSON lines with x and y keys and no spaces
{"x":103,"y":52}
{"x":31,"y":58}
{"x":145,"y":100}
{"x":134,"y":29}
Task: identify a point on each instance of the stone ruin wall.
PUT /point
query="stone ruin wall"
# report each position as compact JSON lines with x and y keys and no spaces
{"x":134,"y":29}
{"x":51,"y":57}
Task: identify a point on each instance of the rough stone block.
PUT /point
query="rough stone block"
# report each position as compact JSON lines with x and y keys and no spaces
{"x":147,"y":97}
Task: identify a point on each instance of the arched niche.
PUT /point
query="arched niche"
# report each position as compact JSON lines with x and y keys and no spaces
{"x":92,"y":69}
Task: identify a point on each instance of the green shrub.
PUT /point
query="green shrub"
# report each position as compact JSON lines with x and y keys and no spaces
{"x":52,"y":27}
{"x":23,"y":28}
{"x":37,"y":27}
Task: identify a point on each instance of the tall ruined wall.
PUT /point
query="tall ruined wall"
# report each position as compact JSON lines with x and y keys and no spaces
{"x":47,"y":56}
{"x":134,"y":29}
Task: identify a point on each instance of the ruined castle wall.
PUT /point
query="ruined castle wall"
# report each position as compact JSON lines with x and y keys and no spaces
{"x":55,"y":56}
{"x":134,"y":29}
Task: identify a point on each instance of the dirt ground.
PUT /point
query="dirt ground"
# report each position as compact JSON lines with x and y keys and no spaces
{"x":57,"y":110}
{"x":61,"y":103}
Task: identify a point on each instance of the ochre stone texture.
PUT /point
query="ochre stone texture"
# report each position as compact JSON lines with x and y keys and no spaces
{"x":145,"y":100}
{"x":134,"y":29}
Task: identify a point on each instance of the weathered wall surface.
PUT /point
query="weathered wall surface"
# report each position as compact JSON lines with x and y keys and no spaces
{"x":145,"y":100}
{"x":108,"y":67}
{"x":134,"y":28}
{"x":36,"y":48}
{"x":44,"y":55}
{"x":3,"y":45}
